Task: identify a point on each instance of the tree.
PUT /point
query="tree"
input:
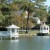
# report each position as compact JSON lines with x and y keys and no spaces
{"x":30,"y":7}
{"x":48,"y":18}
{"x":36,"y":7}
{"x":27,"y":6}
{"x":2,"y":19}
{"x":41,"y":11}
{"x":49,"y":9}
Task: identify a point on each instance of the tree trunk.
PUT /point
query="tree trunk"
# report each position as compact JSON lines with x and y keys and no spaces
{"x":22,"y":25}
{"x":27,"y":25}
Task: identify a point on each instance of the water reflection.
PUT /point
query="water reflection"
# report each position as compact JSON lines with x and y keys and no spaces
{"x":17,"y":40}
{"x":46,"y":37}
{"x":9,"y":44}
{"x":26,"y":43}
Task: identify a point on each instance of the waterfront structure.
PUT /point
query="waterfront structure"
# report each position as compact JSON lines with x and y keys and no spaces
{"x":44,"y":28}
{"x":13,"y":31}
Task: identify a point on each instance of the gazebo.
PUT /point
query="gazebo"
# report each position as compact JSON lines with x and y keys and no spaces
{"x":13,"y":31}
{"x":44,"y":28}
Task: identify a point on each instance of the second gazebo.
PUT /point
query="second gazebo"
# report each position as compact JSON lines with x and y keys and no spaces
{"x":44,"y":29}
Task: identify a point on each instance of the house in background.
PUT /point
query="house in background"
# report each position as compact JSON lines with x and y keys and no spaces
{"x":37,"y":20}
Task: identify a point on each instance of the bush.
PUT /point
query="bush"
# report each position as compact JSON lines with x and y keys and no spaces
{"x":36,"y":27}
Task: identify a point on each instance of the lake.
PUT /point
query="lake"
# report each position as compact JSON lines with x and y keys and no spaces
{"x":26,"y":43}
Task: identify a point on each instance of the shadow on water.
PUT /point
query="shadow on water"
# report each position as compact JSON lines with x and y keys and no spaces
{"x":17,"y":40}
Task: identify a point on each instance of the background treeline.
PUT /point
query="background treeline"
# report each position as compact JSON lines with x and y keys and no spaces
{"x":14,"y":11}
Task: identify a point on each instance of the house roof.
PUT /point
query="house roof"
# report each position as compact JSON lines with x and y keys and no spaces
{"x":12,"y":26}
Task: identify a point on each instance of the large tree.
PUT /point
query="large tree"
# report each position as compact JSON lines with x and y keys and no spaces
{"x":48,"y":18}
{"x":29,"y":7}
{"x":36,"y":7}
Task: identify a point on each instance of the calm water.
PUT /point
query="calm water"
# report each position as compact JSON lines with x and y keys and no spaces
{"x":26,"y":43}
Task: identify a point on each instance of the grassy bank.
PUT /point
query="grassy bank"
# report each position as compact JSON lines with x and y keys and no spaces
{"x":30,"y":33}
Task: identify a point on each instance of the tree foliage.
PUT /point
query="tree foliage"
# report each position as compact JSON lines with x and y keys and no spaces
{"x":8,"y":12}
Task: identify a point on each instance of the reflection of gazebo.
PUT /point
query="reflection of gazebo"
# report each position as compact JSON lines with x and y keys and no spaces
{"x":13,"y":31}
{"x":44,"y":28}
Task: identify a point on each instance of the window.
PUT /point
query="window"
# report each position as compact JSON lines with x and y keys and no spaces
{"x":47,"y":28}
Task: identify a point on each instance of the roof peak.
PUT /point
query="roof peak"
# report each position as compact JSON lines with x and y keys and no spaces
{"x":12,"y":26}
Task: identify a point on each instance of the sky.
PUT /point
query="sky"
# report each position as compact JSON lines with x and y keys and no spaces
{"x":48,"y":2}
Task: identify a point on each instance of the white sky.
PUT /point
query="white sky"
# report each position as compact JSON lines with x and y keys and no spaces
{"x":48,"y":2}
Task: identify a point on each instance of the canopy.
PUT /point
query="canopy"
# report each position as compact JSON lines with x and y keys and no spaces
{"x":12,"y":26}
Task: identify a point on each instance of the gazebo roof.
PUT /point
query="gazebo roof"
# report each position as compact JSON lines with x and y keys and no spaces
{"x":44,"y":25}
{"x":12,"y":26}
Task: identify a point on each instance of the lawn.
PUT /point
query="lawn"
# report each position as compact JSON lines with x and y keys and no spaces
{"x":30,"y":33}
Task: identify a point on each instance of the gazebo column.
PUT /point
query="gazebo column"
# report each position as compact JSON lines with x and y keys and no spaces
{"x":41,"y":29}
{"x":48,"y":29}
{"x":18,"y":30}
{"x":10,"y":34}
{"x":15,"y":30}
{"x":10,"y":30}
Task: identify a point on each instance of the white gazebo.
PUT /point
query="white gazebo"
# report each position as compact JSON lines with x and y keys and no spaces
{"x":44,"y":28}
{"x":13,"y":31}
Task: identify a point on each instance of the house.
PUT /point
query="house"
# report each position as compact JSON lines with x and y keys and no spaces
{"x":37,"y":20}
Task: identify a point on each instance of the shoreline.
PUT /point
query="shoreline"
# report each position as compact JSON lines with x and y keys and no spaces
{"x":23,"y":35}
{"x":20,"y":35}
